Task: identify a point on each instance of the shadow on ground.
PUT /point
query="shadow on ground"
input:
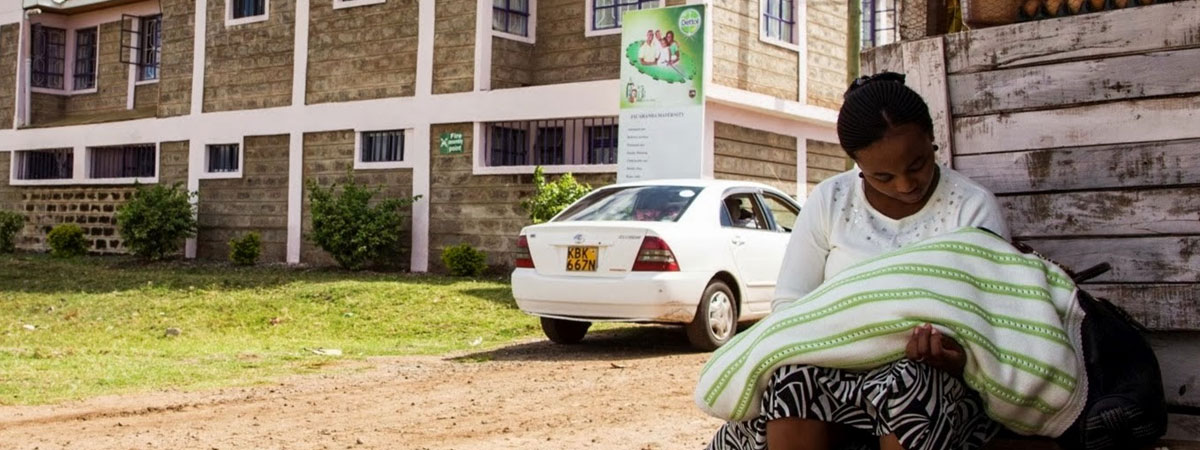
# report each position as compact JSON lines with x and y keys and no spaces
{"x":633,"y":342}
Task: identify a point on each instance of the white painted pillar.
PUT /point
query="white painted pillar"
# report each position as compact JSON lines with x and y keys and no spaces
{"x":131,"y":78}
{"x":295,"y":198}
{"x":802,"y":42}
{"x":420,"y":152}
{"x":21,"y":105}
{"x":801,"y":168}
{"x":483,"y":45}
{"x":195,"y":144}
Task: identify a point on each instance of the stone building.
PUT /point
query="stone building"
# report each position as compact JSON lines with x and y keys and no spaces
{"x":244,"y":101}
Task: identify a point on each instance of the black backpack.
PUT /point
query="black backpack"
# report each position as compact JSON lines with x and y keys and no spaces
{"x":1126,"y":407}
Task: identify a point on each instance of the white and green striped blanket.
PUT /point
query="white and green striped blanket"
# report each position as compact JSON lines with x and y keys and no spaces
{"x":1015,"y":314}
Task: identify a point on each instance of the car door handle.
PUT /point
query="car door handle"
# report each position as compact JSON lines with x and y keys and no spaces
{"x":738,"y":241}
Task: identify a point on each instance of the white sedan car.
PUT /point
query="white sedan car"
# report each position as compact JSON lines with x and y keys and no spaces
{"x":704,"y":253}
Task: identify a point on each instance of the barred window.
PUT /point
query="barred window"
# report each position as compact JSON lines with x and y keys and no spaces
{"x":511,"y":16}
{"x":878,"y":23}
{"x":551,"y":142}
{"x":150,"y":34}
{"x":49,"y":57}
{"x":779,"y":20}
{"x":602,"y":144}
{"x":223,"y":158}
{"x":382,"y":146}
{"x":606,"y":14}
{"x":52,"y":164}
{"x":122,"y":161}
{"x":85,"y":59}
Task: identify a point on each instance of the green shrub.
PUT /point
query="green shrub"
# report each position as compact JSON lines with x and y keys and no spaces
{"x":10,"y":224}
{"x":550,"y":198}
{"x":66,"y":240}
{"x":157,"y":220}
{"x":463,"y":260}
{"x":244,"y":251}
{"x":346,"y":225}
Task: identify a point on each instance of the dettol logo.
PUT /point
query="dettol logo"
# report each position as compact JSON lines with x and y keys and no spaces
{"x":690,"y":22}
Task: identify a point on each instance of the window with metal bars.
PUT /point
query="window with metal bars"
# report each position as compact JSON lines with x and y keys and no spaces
{"x":223,"y":158}
{"x":878,"y":23}
{"x":150,"y":34}
{"x":51,"y":164}
{"x":122,"y":161}
{"x":48,"y":57}
{"x":779,"y":20}
{"x":511,"y":16}
{"x":382,"y":146}
{"x":606,"y":14}
{"x":580,"y":141}
{"x":248,"y":8}
{"x":550,"y":146}
{"x":85,"y":59}
{"x":602,"y":144}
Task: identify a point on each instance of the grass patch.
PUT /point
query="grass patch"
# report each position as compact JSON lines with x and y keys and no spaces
{"x":100,"y":323}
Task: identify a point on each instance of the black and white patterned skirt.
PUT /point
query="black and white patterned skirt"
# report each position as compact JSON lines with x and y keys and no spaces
{"x":927,"y":409}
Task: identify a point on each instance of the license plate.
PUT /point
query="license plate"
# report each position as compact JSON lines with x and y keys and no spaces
{"x":581,"y":259}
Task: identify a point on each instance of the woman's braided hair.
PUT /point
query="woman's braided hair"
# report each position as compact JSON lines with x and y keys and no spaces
{"x":876,"y":103}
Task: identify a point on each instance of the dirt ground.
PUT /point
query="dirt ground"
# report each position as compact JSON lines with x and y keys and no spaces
{"x":622,"y":389}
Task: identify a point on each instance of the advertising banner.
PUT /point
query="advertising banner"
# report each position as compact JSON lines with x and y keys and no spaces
{"x":662,"y":93}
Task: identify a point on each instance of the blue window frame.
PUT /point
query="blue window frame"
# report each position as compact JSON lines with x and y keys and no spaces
{"x":511,"y":16}
{"x":779,"y":20}
{"x":150,"y":48}
{"x":606,"y":14}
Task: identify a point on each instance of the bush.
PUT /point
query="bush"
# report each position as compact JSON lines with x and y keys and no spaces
{"x":349,"y":228}
{"x":244,"y":251}
{"x":66,"y":240}
{"x":463,"y":260}
{"x":550,"y":198}
{"x":156,"y":221}
{"x":10,"y":224}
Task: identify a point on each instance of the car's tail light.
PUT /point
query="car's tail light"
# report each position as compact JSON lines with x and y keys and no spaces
{"x":523,"y":259}
{"x":655,"y":256}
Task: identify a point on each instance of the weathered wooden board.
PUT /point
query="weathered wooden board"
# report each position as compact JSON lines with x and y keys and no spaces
{"x":1163,"y":307}
{"x":1134,"y":260}
{"x":1098,"y":167}
{"x":1055,"y":85}
{"x":930,"y":82}
{"x":1179,"y":359}
{"x":1105,"y":213}
{"x":1128,"y":121}
{"x":886,"y":58}
{"x":1184,"y":432}
{"x":1134,"y":30}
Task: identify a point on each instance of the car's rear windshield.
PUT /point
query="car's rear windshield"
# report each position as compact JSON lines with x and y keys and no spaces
{"x":636,"y":203}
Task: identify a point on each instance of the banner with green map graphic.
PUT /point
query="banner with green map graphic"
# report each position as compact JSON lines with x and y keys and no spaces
{"x":662,"y":93}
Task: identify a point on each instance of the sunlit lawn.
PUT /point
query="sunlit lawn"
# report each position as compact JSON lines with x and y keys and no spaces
{"x":98,"y":325}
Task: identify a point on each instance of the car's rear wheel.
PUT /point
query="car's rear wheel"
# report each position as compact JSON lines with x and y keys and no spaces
{"x":716,"y":318}
{"x":564,"y":331}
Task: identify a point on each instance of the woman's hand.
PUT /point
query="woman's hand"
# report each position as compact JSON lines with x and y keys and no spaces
{"x":930,"y":346}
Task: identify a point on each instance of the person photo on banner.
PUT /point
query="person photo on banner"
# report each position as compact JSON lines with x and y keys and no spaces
{"x":648,"y":51}
{"x":670,"y":56}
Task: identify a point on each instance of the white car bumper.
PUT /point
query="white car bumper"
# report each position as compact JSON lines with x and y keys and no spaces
{"x":636,"y":297}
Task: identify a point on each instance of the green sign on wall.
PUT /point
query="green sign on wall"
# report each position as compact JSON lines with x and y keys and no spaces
{"x":450,"y":143}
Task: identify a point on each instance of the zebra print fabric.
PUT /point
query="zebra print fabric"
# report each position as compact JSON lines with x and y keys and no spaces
{"x":927,"y":409}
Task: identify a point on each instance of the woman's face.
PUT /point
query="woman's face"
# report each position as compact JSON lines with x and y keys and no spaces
{"x":901,"y":165}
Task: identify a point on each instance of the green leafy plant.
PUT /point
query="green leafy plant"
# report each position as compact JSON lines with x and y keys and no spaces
{"x":10,"y":224}
{"x":157,"y":220}
{"x":352,"y":228}
{"x":551,"y":197}
{"x":66,"y":240}
{"x":244,"y":251}
{"x":463,"y":260}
